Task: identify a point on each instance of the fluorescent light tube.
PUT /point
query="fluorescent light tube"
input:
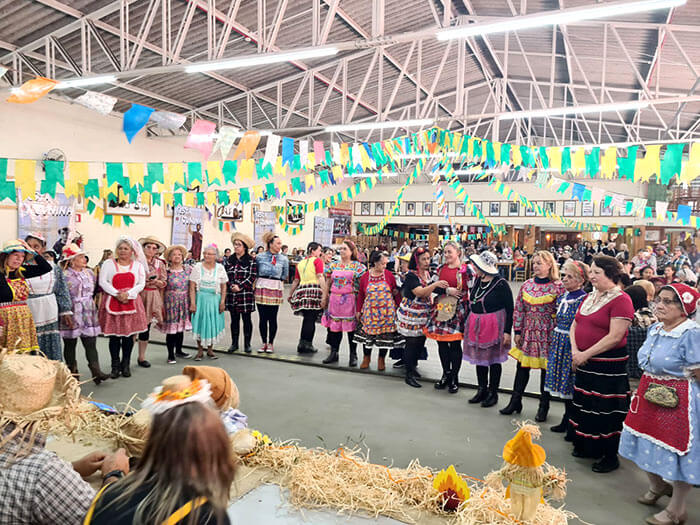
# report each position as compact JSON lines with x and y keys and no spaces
{"x":557,"y":17}
{"x":381,"y":125}
{"x":85,"y":81}
{"x":262,"y":59}
{"x":576,"y":110}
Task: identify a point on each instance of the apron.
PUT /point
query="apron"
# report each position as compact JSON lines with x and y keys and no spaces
{"x":669,"y":428}
{"x":342,"y":297}
{"x":378,"y":310}
{"x":122,"y":281}
{"x":20,"y":289}
{"x":43,"y":305}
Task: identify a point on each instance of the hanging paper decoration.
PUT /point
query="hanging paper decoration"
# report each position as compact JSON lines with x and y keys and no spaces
{"x":32,"y":90}
{"x":271,"y":150}
{"x":691,"y":170}
{"x":201,"y":137}
{"x":287,"y":150}
{"x":224,"y":143}
{"x":168,"y":119}
{"x":246,"y":147}
{"x":135,"y":119}
{"x":103,"y":104}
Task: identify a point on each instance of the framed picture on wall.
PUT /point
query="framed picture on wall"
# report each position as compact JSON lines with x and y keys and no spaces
{"x":494,"y":209}
{"x":427,"y":209}
{"x":295,"y":216}
{"x":530,"y":210}
{"x":120,"y":205}
{"x":379,"y":208}
{"x":513,"y":209}
{"x":623,"y":208}
{"x":587,"y":208}
{"x":550,"y":206}
{"x":477,"y":206}
{"x":365,"y":208}
{"x":410,"y":209}
{"x":569,"y":208}
{"x":652,"y":235}
{"x":605,"y":211}
{"x":168,"y":210}
{"x":459,"y":209}
{"x":253,"y":209}
{"x":230,"y":212}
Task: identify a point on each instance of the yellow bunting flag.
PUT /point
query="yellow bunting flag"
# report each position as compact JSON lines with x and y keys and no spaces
{"x":337,"y":173}
{"x":176,"y":174}
{"x":211,"y":198}
{"x":283,"y":187}
{"x":116,"y":221}
{"x":554,"y":156}
{"x":258,"y":191}
{"x":691,"y":170}
{"x":214,"y":172}
{"x":135,"y":170}
{"x":25,"y":177}
{"x":78,"y":172}
{"x":649,"y":165}
{"x":234,"y":195}
{"x":517,"y":156}
{"x":578,"y":161}
{"x":608,"y":163}
{"x":99,"y":214}
{"x":168,"y":199}
{"x":310,"y":181}
{"x":246,"y":169}
{"x":188,"y":199}
{"x":344,"y":153}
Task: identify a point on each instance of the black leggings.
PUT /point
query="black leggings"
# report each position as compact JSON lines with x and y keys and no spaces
{"x":247,"y":327}
{"x":450,"y":357}
{"x":174,"y":344}
{"x":308,"y":325}
{"x":125,"y":344}
{"x":334,"y":339}
{"x":482,"y":375}
{"x":145,"y":336}
{"x":414,"y":347}
{"x":268,"y":318}
{"x":90,"y":345}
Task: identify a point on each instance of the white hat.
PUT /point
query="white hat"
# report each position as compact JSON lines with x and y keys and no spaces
{"x":486,"y":262}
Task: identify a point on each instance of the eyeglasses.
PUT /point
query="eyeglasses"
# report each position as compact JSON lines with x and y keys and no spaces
{"x":665,"y":302}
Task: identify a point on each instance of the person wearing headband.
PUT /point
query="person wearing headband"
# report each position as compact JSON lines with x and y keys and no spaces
{"x":661,"y":432}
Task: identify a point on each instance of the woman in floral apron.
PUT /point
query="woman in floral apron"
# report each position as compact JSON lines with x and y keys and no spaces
{"x":81,"y":286}
{"x":48,"y":299}
{"x":342,"y":284}
{"x":176,"y":320}
{"x":19,"y":332}
{"x":377,"y":300}
{"x":152,"y":293}
{"x":122,"y":314}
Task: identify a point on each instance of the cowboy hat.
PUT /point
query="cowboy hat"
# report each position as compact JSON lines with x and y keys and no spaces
{"x":173,"y":248}
{"x":72,"y":250}
{"x":486,"y":262}
{"x":152,"y":240}
{"x":247,"y":241}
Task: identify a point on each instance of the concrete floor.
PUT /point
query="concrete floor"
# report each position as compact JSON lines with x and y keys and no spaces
{"x":326,"y":407}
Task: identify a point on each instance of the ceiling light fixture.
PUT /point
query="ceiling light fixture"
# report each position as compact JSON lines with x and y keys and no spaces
{"x":575,"y":110}
{"x":557,"y":17}
{"x":381,"y":125}
{"x":263,"y":59}
{"x":85,"y":81}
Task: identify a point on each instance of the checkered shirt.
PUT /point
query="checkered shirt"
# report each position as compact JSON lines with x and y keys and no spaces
{"x":243,"y":274}
{"x":40,"y":488}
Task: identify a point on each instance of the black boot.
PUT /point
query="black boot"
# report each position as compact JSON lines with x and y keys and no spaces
{"x":481,"y":394}
{"x":126,"y":362}
{"x":543,"y":408}
{"x":97,"y":375}
{"x":491,"y":399}
{"x":492,"y":396}
{"x":233,"y":348}
{"x":522,"y":375}
{"x":353,"y":357}
{"x":332,"y":357}
{"x":452,"y":386}
{"x":442,"y":384}
{"x":303,"y":347}
{"x":411,"y":378}
{"x":114,"y":355}
{"x":561,"y":427}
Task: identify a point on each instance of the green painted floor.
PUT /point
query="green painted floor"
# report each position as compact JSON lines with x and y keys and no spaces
{"x":326,"y":407}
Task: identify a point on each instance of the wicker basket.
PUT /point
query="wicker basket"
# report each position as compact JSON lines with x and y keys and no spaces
{"x":27,"y":383}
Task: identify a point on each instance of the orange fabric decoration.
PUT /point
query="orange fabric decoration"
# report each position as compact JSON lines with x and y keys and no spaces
{"x":246,"y":147}
{"x":522,"y":452}
{"x":223,"y":390}
{"x":32,"y":90}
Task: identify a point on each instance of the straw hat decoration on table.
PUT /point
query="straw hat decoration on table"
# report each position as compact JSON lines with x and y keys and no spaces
{"x":36,"y":394}
{"x":247,"y":241}
{"x":150,"y":239}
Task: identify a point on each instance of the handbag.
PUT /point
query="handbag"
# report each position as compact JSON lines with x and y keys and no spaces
{"x":446,"y":307}
{"x":661,"y":395}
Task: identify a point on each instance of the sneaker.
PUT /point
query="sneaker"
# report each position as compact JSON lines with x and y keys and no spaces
{"x":172,"y":362}
{"x":398,"y":364}
{"x":183,"y":355}
{"x":270,"y":349}
{"x":263,"y":349}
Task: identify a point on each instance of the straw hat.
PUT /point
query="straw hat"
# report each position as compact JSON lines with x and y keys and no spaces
{"x":405,"y":258}
{"x":175,"y":391}
{"x":71,"y":251}
{"x":16,"y":245}
{"x":35,"y":391}
{"x":38,"y":236}
{"x":267,"y":238}
{"x":486,"y":262}
{"x":174,"y":247}
{"x":247,"y":241}
{"x":522,"y":452}
{"x":224,"y":391}
{"x":152,"y":240}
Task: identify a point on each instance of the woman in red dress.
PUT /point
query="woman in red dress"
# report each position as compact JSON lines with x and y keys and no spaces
{"x":122,"y":314}
{"x":599,"y":356}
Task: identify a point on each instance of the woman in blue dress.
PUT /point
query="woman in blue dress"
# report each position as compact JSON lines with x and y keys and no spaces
{"x":559,"y":380}
{"x":661,"y":433}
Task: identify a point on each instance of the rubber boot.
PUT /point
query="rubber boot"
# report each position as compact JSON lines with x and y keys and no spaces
{"x":332,"y":357}
{"x":97,"y":375}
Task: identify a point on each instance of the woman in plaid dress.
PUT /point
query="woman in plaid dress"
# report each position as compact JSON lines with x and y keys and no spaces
{"x":240,"y":299}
